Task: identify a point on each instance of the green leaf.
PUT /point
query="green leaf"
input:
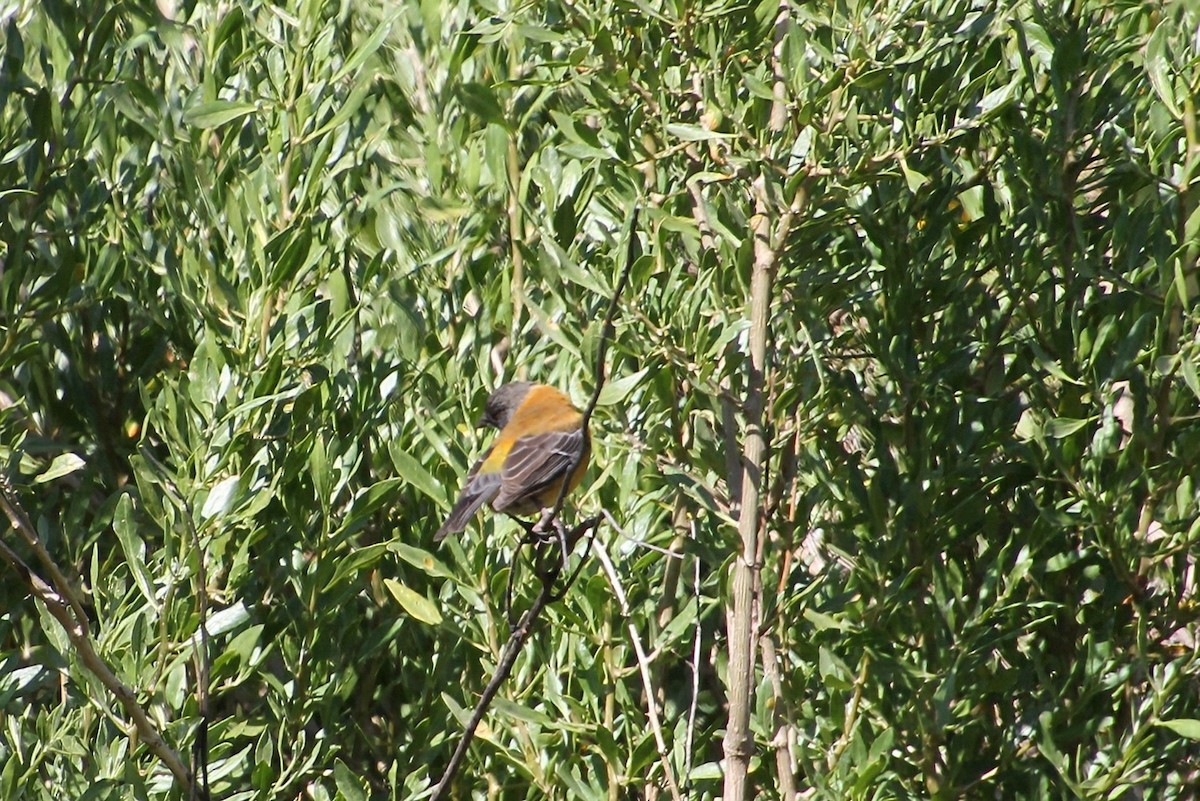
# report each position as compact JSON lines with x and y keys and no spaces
{"x":481,"y":101}
{"x":1041,"y":48}
{"x":822,"y":622}
{"x":998,"y":99}
{"x":420,"y":558}
{"x":415,"y":474}
{"x":228,"y":619}
{"x":1188,"y":368}
{"x":369,"y":501}
{"x":63,"y":464}
{"x":1184,"y":727}
{"x":695,"y":133}
{"x":616,"y":391}
{"x":242,"y":653}
{"x":1061,"y":427}
{"x":364,"y":50}
{"x":14,"y":154}
{"x":944,"y":698}
{"x":349,"y":785}
{"x":356,"y":561}
{"x":1027,"y":426}
{"x":217,"y":113}
{"x":709,"y":771}
{"x":914,"y":179}
{"x":832,"y":669}
{"x":348,"y":109}
{"x":1047,"y":746}
{"x":415,"y":604}
{"x":19,"y":681}
{"x":133,"y":547}
{"x":1158,"y":68}
{"x":220,"y":498}
{"x":521,"y":712}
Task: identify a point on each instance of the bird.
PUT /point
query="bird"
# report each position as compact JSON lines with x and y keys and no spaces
{"x":542,"y":438}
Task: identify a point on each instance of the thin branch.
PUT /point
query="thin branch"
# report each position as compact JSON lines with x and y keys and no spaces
{"x":784,"y":730}
{"x":783,"y":736}
{"x":23,"y":526}
{"x":606,"y":334}
{"x":549,"y":573}
{"x":696,"y":643}
{"x":508,"y":658}
{"x":746,"y":592}
{"x":639,"y":650}
{"x":700,"y":215}
{"x":843,"y":742}
{"x":733,"y":464}
{"x":62,"y":602}
{"x":612,"y":521}
{"x":199,"y":789}
{"x":202,"y":655}
{"x":515,"y":227}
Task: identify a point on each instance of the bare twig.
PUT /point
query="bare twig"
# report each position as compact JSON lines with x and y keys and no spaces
{"x":199,"y":788}
{"x":733,"y":465}
{"x":516,"y":225}
{"x":700,"y":214}
{"x":782,"y":740}
{"x":739,"y":742}
{"x":640,"y":543}
{"x":747,"y":592}
{"x":696,"y":642}
{"x":664,"y":756}
{"x":64,"y":605}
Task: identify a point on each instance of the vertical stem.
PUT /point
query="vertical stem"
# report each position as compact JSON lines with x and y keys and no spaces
{"x":739,"y":743}
{"x":747,"y":589}
{"x":782,"y":741}
{"x":1179,"y":302}
{"x":516,"y":228}
{"x":610,"y":702}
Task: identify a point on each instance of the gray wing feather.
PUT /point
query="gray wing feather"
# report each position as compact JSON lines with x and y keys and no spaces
{"x":536,"y":462}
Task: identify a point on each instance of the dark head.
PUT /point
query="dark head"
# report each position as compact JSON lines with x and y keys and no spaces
{"x":502,"y":403}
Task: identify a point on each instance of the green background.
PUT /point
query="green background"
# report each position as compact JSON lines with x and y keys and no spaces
{"x":262,"y":263}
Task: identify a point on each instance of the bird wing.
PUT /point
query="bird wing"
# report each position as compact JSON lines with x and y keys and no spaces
{"x":536,"y":462}
{"x":480,"y":488}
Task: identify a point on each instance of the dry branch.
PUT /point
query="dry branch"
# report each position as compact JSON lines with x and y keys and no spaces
{"x":63,"y":603}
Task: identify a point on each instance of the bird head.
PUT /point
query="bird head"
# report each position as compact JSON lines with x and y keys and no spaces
{"x":502,"y":403}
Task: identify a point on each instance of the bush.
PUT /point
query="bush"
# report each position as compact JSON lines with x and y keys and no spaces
{"x":262,"y":264}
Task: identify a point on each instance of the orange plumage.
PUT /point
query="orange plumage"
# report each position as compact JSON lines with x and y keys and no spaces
{"x":541,"y":437}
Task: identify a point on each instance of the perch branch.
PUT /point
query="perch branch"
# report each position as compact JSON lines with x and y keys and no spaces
{"x":549,"y":574}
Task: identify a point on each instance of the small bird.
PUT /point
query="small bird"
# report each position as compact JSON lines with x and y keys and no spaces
{"x":541,"y":437}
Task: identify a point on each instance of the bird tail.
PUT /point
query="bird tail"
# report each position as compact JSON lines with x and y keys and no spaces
{"x":477,"y":493}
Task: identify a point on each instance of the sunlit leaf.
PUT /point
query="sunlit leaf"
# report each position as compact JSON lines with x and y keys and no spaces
{"x":1184,"y":727}
{"x":64,"y":464}
{"x":217,"y":113}
{"x":414,"y":603}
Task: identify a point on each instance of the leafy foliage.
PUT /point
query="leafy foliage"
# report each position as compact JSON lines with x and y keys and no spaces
{"x":261,"y":262}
